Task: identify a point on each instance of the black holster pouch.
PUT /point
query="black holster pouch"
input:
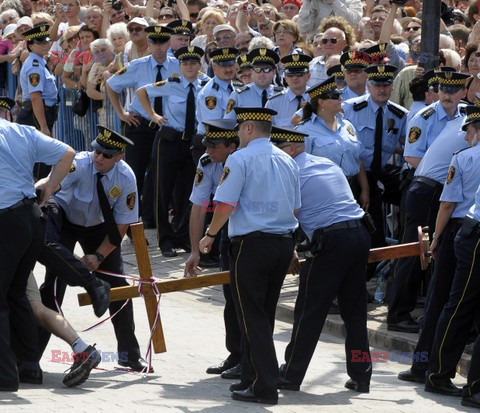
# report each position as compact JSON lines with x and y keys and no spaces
{"x":368,"y":220}
{"x":168,"y":134}
{"x":316,"y":243}
{"x":197,"y":142}
{"x":469,"y":226}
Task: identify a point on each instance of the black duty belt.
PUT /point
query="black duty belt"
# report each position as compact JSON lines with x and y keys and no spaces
{"x":427,"y":181}
{"x":147,"y":123}
{"x":355,"y":223}
{"x":21,"y":203}
{"x":260,"y":234}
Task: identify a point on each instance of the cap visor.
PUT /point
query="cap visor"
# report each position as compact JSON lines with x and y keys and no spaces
{"x":382,"y":82}
{"x":101,"y":148}
{"x":450,"y":89}
{"x":158,"y":39}
{"x":210,"y":143}
{"x":225,"y":63}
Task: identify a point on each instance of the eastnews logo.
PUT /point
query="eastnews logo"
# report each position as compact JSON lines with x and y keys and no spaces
{"x":249,"y":206}
{"x":359,"y":356}
{"x":59,"y":356}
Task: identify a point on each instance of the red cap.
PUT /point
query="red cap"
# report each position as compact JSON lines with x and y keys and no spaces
{"x":297,"y":3}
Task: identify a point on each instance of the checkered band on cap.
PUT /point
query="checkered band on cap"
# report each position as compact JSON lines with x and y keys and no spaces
{"x":159,"y":32}
{"x":355,"y":58}
{"x":474,"y":116}
{"x":225,"y":134}
{"x":453,"y":78}
{"x":104,"y":138}
{"x":263,"y":55}
{"x":37,"y":32}
{"x":326,"y":86}
{"x":181,"y":27}
{"x":243,"y":62}
{"x":336,"y":71}
{"x":6,"y":104}
{"x":380,"y":72}
{"x":224,"y":54}
{"x":287,"y":137}
{"x":255,"y":116}
{"x":296,"y":61}
{"x":188,"y":53}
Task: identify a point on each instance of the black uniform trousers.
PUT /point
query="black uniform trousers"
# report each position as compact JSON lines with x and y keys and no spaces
{"x":173,"y":169}
{"x":90,"y":238}
{"x":233,"y":334}
{"x":26,"y":117}
{"x":459,"y":312}
{"x":23,"y":230}
{"x":337,"y":270}
{"x":258,"y":266}
{"x":139,"y":158}
{"x":421,"y":204}
{"x":438,"y":292}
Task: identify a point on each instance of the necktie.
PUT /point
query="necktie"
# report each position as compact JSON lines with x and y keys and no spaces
{"x":230,"y":88}
{"x":299,"y":98}
{"x":190,"y":116}
{"x":264,"y":98}
{"x":112,"y":229}
{"x":157,"y":106}
{"x":377,"y":151}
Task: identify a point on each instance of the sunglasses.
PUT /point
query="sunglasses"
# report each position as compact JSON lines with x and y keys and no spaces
{"x":41,"y":41}
{"x":295,"y":74}
{"x":166,"y":16}
{"x":135,"y":29}
{"x":105,"y":155}
{"x":333,"y":96}
{"x":223,"y":38}
{"x":333,"y":40}
{"x":413,"y":29}
{"x":262,"y":69}
{"x":477,"y":54}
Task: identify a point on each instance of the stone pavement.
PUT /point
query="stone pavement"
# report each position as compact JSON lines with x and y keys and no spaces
{"x":194,"y":333}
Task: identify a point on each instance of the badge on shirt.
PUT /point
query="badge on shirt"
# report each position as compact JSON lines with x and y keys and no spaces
{"x":121,"y":71}
{"x":34,"y":79}
{"x":131,"y":200}
{"x":211,"y":102}
{"x":198,"y":177}
{"x":451,"y":174}
{"x":225,"y":173}
{"x":160,"y":83}
{"x":414,"y":134}
{"x":230,"y":105}
{"x":73,"y":168}
{"x":350,"y":130}
{"x":390,"y":126}
{"x":115,"y":192}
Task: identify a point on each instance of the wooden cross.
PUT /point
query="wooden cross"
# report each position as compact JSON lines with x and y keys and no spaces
{"x":420,"y":248}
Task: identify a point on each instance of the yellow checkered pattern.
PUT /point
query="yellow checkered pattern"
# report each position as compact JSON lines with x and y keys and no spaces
{"x":42,"y":33}
{"x":189,"y":55}
{"x":453,"y":82}
{"x":381,"y":74}
{"x":291,"y":65}
{"x":338,"y":74}
{"x":255,"y":116}
{"x":263,"y":59}
{"x":289,"y":137}
{"x":4,"y":104}
{"x":356,"y":62}
{"x":322,"y":89}
{"x":221,"y":57}
{"x":103,"y":140}
{"x":472,"y":116}
{"x":220,"y":135}
{"x":432,"y":80}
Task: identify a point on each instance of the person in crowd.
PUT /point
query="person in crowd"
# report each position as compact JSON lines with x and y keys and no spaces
{"x":209,"y":20}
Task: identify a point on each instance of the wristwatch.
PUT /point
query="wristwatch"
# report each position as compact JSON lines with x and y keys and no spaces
{"x":209,"y":235}
{"x":99,"y":256}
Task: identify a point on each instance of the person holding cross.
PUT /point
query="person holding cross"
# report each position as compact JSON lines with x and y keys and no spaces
{"x":98,"y":199}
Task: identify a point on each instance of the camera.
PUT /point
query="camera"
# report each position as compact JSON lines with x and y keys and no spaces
{"x":248,"y":8}
{"x":117,"y":5}
{"x":399,"y":2}
{"x":65,"y":8}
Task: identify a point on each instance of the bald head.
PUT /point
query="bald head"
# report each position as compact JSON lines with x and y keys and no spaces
{"x":333,"y":41}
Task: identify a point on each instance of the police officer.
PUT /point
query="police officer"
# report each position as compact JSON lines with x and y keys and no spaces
{"x":333,"y":222}
{"x":213,"y":98}
{"x":39,"y":91}
{"x":24,"y":232}
{"x":422,"y":199}
{"x":261,"y":184}
{"x":257,"y":93}
{"x":354,"y":64}
{"x":379,"y":124}
{"x":99,"y":201}
{"x":331,"y":136}
{"x":138,"y":126}
{"x":173,"y":164}
{"x":457,"y":196}
{"x":220,"y":140}
{"x":244,"y":71}
{"x":182,"y":31}
{"x":291,"y":99}
{"x":338,"y":73}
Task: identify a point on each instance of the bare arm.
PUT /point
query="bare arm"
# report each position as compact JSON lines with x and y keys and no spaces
{"x":220,"y":217}
{"x":387,"y":27}
{"x":197,"y":221}
{"x":444,"y":213}
{"x":129,"y":118}
{"x":413,"y":161}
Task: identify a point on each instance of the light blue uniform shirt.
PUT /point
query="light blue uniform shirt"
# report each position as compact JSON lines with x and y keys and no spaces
{"x":462,"y":181}
{"x":248,"y":96}
{"x":429,"y":125}
{"x":262,"y":183}
{"x":78,"y":196}
{"x":475,"y":209}
{"x":174,"y":95}
{"x":341,"y":147}
{"x":212,"y":101}
{"x":20,"y":147}
{"x":415,"y":107}
{"x":362,"y":113}
{"x":141,"y":72}
{"x":326,"y":196}
{"x":434,"y":164}
{"x":206,"y":180}
{"x":35,"y":77}
{"x":285,"y":104}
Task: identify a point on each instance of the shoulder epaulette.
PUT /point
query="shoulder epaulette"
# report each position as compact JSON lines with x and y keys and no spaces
{"x":360,"y":106}
{"x":215,"y":86}
{"x":206,"y":160}
{"x":174,"y":79}
{"x":429,"y":112}
{"x":302,"y":122}
{"x":278,"y":88}
{"x":35,"y":63}
{"x":202,"y":83}
{"x":399,"y":113}
{"x":242,"y":89}
{"x":275,"y":95}
{"x":463,"y":110}
{"x":461,"y":150}
{"x":237,"y":83}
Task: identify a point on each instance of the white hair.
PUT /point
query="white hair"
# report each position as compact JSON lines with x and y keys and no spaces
{"x":260,"y":42}
{"x":97,"y":44}
{"x":117,"y":29}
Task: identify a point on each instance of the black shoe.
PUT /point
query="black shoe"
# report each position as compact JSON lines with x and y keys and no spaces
{"x":410,"y":375}
{"x":9,"y":388}
{"x":471,"y":397}
{"x":248,"y":396}
{"x":31,"y":376}
{"x":370,"y":298}
{"x":238,"y":386}
{"x":183,"y":245}
{"x":441,"y":386}
{"x":99,"y":293}
{"x":207,"y":262}
{"x":168,"y":252}
{"x":284,"y":384}
{"x":139,"y":365}
{"x":405,"y":326}
{"x":220,"y":368}
{"x":80,"y":370}
{"x":357,"y":386}
{"x":233,"y":373}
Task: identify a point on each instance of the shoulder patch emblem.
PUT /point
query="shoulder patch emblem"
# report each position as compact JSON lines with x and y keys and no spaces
{"x":160,"y":83}
{"x":198,"y":177}
{"x":131,"y":200}
{"x":35,"y":63}
{"x":230,"y":105}
{"x":121,"y":71}
{"x":114,"y":192}
{"x":414,"y":134}
{"x":350,"y":130}
{"x":226,"y":172}
{"x":428,"y":113}
{"x":34,"y":79}
{"x":451,"y":174}
{"x":206,"y":160}
{"x":360,"y":106}
{"x":73,"y":168}
{"x":211,"y":102}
